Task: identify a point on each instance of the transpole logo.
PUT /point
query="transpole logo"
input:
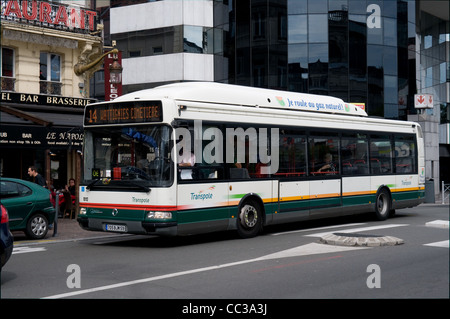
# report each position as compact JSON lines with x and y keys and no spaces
{"x":407,"y":181}
{"x":203,"y":194}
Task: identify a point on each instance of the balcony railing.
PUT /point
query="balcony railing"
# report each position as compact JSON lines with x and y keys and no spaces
{"x":48,"y":87}
{"x":8,"y":84}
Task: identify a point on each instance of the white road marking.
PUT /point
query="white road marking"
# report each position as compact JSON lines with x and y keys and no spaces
{"x":313,"y":229}
{"x":23,"y":250}
{"x":438,"y":223}
{"x":443,"y":244}
{"x":309,"y":249}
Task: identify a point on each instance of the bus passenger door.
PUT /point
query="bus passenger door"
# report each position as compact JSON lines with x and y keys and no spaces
{"x":202,"y":207}
{"x":325,"y":197}
{"x":293,"y":201}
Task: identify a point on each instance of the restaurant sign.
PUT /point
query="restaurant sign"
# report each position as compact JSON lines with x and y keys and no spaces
{"x":52,"y":138}
{"x":49,"y":15}
{"x":48,"y":100}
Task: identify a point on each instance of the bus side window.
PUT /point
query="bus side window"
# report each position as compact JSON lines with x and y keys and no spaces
{"x":354,"y":154}
{"x":323,"y":155}
{"x":404,"y":155}
{"x":381,"y":154}
{"x":239,"y":173}
{"x":292,"y":154}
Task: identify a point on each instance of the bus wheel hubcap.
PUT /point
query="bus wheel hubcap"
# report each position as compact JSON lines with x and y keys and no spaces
{"x":249,"y":216}
{"x":382,"y":204}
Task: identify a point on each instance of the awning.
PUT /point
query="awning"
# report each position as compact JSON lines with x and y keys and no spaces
{"x":21,"y":128}
{"x":51,"y":116}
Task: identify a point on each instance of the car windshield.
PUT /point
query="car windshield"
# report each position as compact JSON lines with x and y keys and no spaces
{"x":128,"y":157}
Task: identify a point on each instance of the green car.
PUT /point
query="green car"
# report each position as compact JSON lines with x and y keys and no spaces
{"x":29,"y":206}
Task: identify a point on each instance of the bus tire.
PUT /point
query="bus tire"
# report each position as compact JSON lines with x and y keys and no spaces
{"x":383,"y":204}
{"x":249,"y":221}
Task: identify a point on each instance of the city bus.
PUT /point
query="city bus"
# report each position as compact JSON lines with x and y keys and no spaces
{"x":197,"y":157}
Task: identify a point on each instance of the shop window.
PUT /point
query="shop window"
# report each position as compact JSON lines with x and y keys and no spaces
{"x":50,"y":73}
{"x":8,"y":79}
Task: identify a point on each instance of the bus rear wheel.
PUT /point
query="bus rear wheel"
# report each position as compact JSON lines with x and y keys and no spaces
{"x":383,"y":205}
{"x":249,"y":222}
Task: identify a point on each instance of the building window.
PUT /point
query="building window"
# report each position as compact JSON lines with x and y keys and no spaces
{"x":8,"y":79}
{"x":297,"y":29}
{"x":50,"y":73}
{"x":193,"y":40}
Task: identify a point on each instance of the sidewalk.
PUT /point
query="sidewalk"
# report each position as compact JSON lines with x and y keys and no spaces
{"x":67,"y":229}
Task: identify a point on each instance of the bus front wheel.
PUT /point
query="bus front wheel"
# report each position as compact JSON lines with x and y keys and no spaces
{"x":383,"y":205}
{"x":249,"y":222}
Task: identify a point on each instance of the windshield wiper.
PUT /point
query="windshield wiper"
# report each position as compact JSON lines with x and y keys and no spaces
{"x":145,"y":188}
{"x":92,"y":183}
{"x":124,"y":183}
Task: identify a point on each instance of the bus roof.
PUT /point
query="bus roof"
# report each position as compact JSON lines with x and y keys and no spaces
{"x":220,"y":93}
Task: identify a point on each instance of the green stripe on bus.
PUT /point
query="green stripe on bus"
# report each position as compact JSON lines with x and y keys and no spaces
{"x":203,"y":214}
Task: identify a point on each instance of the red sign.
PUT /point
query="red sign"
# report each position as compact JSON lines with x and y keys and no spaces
{"x":112,"y":90}
{"x":51,"y":14}
{"x":423,"y":101}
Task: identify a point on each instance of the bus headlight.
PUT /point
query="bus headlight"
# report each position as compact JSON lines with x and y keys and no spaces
{"x":159,"y":215}
{"x":82,"y":211}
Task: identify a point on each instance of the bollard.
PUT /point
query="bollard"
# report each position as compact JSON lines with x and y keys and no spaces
{"x":55,"y":229}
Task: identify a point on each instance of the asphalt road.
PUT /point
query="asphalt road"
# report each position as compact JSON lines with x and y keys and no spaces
{"x":285,"y":262}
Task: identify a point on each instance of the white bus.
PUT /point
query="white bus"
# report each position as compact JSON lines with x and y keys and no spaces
{"x":190,"y":158}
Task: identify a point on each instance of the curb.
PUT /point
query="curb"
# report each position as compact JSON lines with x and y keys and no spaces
{"x":343,"y":239}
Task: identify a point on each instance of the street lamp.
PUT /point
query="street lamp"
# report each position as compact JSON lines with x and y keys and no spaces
{"x":87,"y":69}
{"x":81,"y":68}
{"x":115,"y":71}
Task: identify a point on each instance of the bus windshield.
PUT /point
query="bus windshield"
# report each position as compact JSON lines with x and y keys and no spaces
{"x":128,"y":157}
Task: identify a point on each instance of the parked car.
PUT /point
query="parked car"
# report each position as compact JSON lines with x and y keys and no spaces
{"x":6,"y":238}
{"x":29,"y":206}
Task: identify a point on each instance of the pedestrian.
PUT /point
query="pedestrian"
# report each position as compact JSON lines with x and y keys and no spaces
{"x":38,"y":179}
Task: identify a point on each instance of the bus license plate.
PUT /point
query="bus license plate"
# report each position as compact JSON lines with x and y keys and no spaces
{"x":116,"y":228}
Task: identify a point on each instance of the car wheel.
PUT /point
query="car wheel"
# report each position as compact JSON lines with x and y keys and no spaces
{"x":37,"y":226}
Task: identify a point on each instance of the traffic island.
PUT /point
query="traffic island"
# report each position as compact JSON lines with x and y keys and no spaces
{"x":344,"y":239}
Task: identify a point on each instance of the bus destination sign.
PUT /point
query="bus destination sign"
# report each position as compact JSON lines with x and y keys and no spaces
{"x":123,"y":112}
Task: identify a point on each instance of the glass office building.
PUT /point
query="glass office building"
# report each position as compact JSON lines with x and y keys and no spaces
{"x":360,"y":51}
